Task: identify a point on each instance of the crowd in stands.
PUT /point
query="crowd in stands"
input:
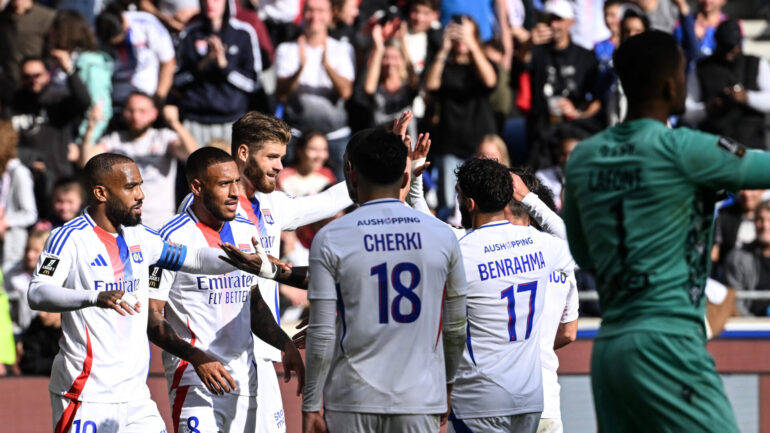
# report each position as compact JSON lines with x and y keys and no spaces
{"x":522,"y":81}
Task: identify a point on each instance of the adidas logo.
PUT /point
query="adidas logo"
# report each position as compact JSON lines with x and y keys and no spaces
{"x":99,"y":261}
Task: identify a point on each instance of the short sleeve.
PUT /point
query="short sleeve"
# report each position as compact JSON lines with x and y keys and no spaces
{"x":159,"y":40}
{"x":167,"y":138}
{"x":286,"y":60}
{"x":570,"y":312}
{"x":58,"y":257}
{"x":323,"y":269}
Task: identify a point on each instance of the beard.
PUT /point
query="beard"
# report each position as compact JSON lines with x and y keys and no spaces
{"x":121,"y":214}
{"x":213,"y":207}
{"x":258,"y":179}
{"x":465,"y":217}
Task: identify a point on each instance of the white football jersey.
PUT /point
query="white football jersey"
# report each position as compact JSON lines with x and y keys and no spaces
{"x":211,"y":312}
{"x":387,"y":266}
{"x":507,"y":269}
{"x":103,"y":357}
{"x":560,"y":306}
{"x":275,"y":212}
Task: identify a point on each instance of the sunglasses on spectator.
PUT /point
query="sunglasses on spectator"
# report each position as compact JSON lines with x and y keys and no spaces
{"x":30,"y":77}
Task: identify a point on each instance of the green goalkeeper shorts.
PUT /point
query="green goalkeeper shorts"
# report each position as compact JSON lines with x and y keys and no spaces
{"x":648,"y":382}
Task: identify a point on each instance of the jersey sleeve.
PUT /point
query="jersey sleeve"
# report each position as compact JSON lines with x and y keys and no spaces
{"x":57,"y":259}
{"x":323,"y":269}
{"x":570,"y":312}
{"x":721,"y":163}
{"x":160,"y":282}
{"x":154,"y":244}
{"x":562,"y":259}
{"x":300,"y":211}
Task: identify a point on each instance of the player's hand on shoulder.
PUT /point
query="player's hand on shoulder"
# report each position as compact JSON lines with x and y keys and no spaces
{"x":212,"y":373}
{"x":313,"y":422}
{"x":120,"y":301}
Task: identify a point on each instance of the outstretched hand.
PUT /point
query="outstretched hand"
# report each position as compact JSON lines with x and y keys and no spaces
{"x":420,"y":153}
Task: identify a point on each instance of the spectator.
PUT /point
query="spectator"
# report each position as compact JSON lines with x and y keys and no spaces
{"x":17,"y":280}
{"x":735,"y":225}
{"x":314,"y":79}
{"x":40,"y":344}
{"x":390,"y":85}
{"x":344,"y":14}
{"x":587,"y":30}
{"x":563,"y":84}
{"x":423,"y":34}
{"x":566,"y":138}
{"x":748,"y":267}
{"x":493,"y":147}
{"x":706,"y":20}
{"x":155,"y":151}
{"x":308,"y":175}
{"x":461,"y":78}
{"x":728,"y":93}
{"x":219,"y":66}
{"x":17,"y":198}
{"x":67,"y":201}
{"x":71,"y":36}
{"x":280,"y":18}
{"x":174,"y":14}
{"x":604,"y":49}
{"x":45,"y":114}
{"x":142,"y":50}
{"x":634,"y":21}
{"x":661,"y":13}
{"x":23,"y":31}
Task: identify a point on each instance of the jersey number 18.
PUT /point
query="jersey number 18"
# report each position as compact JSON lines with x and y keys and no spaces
{"x":405,"y":292}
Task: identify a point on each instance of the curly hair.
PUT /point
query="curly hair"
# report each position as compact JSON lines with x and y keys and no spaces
{"x":377,"y":155}
{"x":487,"y":182}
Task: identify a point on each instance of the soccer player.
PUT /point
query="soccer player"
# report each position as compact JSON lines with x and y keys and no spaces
{"x":258,"y":144}
{"x":560,"y":307}
{"x":386,"y":281}
{"x":639,"y":210}
{"x":214,"y":315}
{"x":101,"y":259}
{"x":498,"y":387}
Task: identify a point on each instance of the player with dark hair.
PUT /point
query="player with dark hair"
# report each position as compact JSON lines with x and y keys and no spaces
{"x":206,"y":321}
{"x":639,"y":207}
{"x":402,"y":268}
{"x":102,"y":259}
{"x":507,"y":268}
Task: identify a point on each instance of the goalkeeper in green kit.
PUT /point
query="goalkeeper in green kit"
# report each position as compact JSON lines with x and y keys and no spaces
{"x":639,"y":206}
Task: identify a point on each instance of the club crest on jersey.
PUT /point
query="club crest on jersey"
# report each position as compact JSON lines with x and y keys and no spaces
{"x":268,"y":216}
{"x":136,"y":254}
{"x":246,"y":248}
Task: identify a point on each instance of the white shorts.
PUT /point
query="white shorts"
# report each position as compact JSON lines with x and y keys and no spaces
{"x":522,"y":423}
{"x":89,"y":417}
{"x":196,"y":410}
{"x":270,"y":416}
{"x":354,"y":422}
{"x":550,"y":425}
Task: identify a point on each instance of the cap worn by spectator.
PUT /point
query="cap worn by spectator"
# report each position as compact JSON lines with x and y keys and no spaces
{"x":560,"y":8}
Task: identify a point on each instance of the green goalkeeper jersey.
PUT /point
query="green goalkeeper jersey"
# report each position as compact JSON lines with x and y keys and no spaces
{"x":639,"y":207}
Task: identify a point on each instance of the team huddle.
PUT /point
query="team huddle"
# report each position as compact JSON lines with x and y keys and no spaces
{"x":413,"y":323}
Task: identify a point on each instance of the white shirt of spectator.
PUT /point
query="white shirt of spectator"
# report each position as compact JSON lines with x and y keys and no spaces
{"x":314,"y":76}
{"x":104,"y":357}
{"x":212,"y":312}
{"x":507,"y":269}
{"x":158,"y":167}
{"x":388,"y":350}
{"x":152,"y":46}
{"x":281,"y":11}
{"x":561,"y":306}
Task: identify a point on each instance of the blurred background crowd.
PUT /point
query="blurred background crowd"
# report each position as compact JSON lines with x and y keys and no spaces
{"x":521,"y":81}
